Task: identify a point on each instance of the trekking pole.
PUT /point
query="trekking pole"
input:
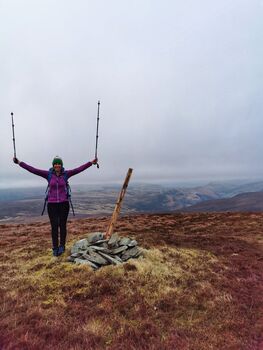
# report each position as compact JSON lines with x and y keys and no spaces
{"x":14,"y":141}
{"x":97,"y":132}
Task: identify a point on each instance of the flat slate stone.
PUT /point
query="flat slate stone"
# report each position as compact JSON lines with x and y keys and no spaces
{"x":119,"y":249}
{"x":117,"y":258}
{"x":86,"y":262}
{"x":113,"y":240}
{"x":96,"y":258}
{"x":74,"y":249}
{"x":130,"y":253}
{"x":102,"y":241}
{"x":95,"y":237}
{"x":81,"y":252}
{"x":132,"y":243}
{"x":110,"y":259}
{"x":124,"y":241}
{"x":99,"y":249}
{"x":82,"y":244}
{"x":76,"y":255}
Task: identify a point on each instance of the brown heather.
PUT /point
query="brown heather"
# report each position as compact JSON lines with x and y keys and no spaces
{"x":199,"y":286}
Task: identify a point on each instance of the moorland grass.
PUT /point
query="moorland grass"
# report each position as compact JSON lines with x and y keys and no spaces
{"x":177,"y":296}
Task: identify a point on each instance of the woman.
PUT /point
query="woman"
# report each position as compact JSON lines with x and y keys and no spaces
{"x":58,"y":202}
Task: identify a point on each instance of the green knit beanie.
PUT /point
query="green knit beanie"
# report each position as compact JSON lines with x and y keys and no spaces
{"x":57,"y":160}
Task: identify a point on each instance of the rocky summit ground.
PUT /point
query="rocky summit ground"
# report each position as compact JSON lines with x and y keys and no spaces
{"x":199,"y":286}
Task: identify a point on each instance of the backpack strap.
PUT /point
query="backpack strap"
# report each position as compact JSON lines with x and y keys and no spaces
{"x":68,"y":190}
{"x":49,"y":175}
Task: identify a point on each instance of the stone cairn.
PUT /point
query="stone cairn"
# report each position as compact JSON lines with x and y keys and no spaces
{"x":95,"y":251}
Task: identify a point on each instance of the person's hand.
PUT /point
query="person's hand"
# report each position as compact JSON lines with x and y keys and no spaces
{"x":94,"y":161}
{"x":15,"y":160}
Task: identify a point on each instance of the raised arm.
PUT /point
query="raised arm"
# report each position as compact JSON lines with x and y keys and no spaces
{"x":81,"y":168}
{"x":39,"y":172}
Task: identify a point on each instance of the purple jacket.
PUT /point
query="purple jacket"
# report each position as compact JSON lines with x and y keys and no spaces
{"x":57,"y":185}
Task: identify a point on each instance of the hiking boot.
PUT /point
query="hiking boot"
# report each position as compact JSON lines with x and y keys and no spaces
{"x":55,"y":251}
{"x":61,"y":249}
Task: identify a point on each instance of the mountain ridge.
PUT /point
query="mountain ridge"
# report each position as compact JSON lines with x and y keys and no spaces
{"x":243,"y":202}
{"x":140,"y":198}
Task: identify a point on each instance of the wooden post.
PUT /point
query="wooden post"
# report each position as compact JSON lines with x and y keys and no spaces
{"x":118,"y":205}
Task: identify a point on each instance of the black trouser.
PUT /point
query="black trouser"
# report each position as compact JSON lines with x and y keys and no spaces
{"x":58,"y":215}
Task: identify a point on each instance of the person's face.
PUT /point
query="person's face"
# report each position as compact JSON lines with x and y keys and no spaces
{"x":57,"y":167}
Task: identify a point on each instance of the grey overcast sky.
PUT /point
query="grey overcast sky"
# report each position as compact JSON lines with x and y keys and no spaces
{"x":180,"y":84}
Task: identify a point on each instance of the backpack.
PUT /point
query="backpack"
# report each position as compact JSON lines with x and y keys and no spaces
{"x":68,"y":189}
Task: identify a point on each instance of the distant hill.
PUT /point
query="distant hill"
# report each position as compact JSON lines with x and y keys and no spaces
{"x":21,"y":204}
{"x":244,"y":202}
{"x":230,"y":189}
{"x":174,"y":199}
{"x":169,"y":199}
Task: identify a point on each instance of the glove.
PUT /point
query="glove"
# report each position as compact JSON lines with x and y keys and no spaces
{"x":15,"y":160}
{"x":94,"y":161}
